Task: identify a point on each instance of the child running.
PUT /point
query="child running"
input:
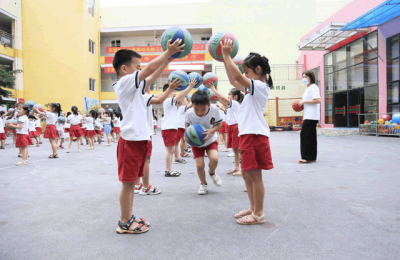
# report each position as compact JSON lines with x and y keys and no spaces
{"x":253,"y":129}
{"x":51,"y":131}
{"x":207,"y":115}
{"x":132,"y":146}
{"x":75,"y":131}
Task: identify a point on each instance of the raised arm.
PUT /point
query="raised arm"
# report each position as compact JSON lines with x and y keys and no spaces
{"x":160,"y":60}
{"x":163,"y":96}
{"x":153,"y":77}
{"x":232,"y":80}
{"x":183,"y":94}
{"x":40,"y":113}
{"x":224,"y":100}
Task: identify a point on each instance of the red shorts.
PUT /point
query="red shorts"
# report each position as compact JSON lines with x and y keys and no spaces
{"x":149,"y":148}
{"x":66,"y":130}
{"x":181,"y":134}
{"x":224,"y":128}
{"x":51,"y":132}
{"x":155,"y":126}
{"x":14,"y":131}
{"x":32,"y":134}
{"x":98,"y":132}
{"x":256,"y":152}
{"x":23,"y":140}
{"x":116,"y":129}
{"x":233,"y":138}
{"x":38,"y":131}
{"x":200,"y":151}
{"x":5,"y":130}
{"x":131,"y":157}
{"x":90,"y":133}
{"x":3,"y":136}
{"x":75,"y":131}
{"x":170,"y":137}
{"x":83,"y":131}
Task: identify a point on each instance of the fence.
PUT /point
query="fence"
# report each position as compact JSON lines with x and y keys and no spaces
{"x":379,"y":124}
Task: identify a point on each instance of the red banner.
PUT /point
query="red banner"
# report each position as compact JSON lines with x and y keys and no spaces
{"x":148,"y":58}
{"x":195,"y":47}
{"x":112,"y":70}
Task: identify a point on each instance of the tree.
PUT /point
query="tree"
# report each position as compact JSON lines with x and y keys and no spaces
{"x":7,"y":80}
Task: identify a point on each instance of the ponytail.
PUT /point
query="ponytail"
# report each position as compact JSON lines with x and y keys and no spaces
{"x":240,"y":95}
{"x":74,"y":110}
{"x":57,"y":108}
{"x":26,"y":109}
{"x":93,"y":114}
{"x":254,"y":60}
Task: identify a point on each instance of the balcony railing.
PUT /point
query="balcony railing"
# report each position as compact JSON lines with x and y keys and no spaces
{"x":6,"y":39}
{"x":106,"y":85}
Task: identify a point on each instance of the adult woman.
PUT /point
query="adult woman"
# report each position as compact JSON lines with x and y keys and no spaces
{"x":308,"y":136}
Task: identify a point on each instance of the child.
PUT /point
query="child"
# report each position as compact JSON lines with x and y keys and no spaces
{"x":75,"y":131}
{"x":107,"y":122}
{"x":253,"y":129}
{"x":51,"y":131}
{"x":83,"y":129}
{"x":132,"y":146}
{"x":2,"y":130}
{"x":38,"y":128}
{"x":67,"y":126}
{"x":90,"y":132}
{"x":207,"y":115}
{"x":99,"y":128}
{"x":117,"y":125}
{"x":60,"y":129}
{"x":23,"y":139}
{"x":223,"y":140}
{"x":183,"y":107}
{"x":169,"y":126}
{"x":155,"y":125}
{"x":32,"y":129}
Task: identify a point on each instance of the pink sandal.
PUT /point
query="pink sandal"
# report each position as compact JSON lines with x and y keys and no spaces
{"x":243,"y":213}
{"x":247,"y":221}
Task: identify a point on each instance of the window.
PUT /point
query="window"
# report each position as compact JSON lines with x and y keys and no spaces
{"x":317,"y":76}
{"x":91,"y":7}
{"x":91,"y":46}
{"x":114,"y":77}
{"x":92,"y":85}
{"x":393,"y":74}
{"x":116,"y":43}
{"x":205,"y":38}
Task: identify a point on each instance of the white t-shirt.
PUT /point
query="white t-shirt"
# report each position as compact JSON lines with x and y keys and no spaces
{"x":251,"y":113}
{"x":25,"y":125}
{"x":37,"y":123}
{"x":117,"y":122}
{"x":212,"y":118}
{"x":51,"y":118}
{"x":74,"y":119}
{"x":2,"y":125}
{"x":147,"y":99}
{"x":32,"y":127}
{"x":232,"y":112}
{"x":99,"y":123}
{"x":170,"y":120}
{"x":181,"y":116}
{"x":130,"y":97}
{"x":83,"y":123}
{"x":312,"y":111}
{"x":107,"y":121}
{"x":89,"y":123}
{"x":59,"y":126}
{"x":67,"y":125}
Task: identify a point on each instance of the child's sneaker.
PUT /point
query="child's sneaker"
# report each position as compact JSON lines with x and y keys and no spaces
{"x":202,"y":189}
{"x":181,"y":161}
{"x":149,"y":191}
{"x":216,"y":179}
{"x":138,"y":188}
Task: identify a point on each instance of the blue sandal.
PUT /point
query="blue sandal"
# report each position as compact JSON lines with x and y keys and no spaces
{"x":172,"y":173}
{"x":123,"y":228}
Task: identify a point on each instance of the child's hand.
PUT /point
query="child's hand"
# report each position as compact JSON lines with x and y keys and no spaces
{"x":211,"y":86}
{"x":227,"y":47}
{"x":174,"y":47}
{"x":174,"y":84}
{"x":208,"y":134}
{"x":192,"y":83}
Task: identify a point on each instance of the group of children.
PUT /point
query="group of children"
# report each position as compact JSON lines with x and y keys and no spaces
{"x":247,"y":131}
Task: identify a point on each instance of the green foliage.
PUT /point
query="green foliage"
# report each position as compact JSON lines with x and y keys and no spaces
{"x":7,"y":80}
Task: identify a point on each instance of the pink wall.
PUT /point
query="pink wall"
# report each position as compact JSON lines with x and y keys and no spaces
{"x":382,"y":73}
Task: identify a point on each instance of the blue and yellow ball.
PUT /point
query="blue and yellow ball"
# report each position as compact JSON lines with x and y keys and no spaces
{"x":175,"y":33}
{"x":196,"y":76}
{"x":194,"y":135}
{"x":182,"y":77}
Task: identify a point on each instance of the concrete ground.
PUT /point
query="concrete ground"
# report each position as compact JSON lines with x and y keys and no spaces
{"x":346,"y":206}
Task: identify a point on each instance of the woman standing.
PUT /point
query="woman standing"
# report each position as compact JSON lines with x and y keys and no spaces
{"x":311,"y":101}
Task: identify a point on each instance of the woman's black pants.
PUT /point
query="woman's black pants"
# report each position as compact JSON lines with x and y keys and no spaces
{"x":308,"y":140}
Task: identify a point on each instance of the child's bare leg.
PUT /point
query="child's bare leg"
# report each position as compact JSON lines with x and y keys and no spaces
{"x":176,"y":152}
{"x":258,"y":191}
{"x":126,"y":203}
{"x":168,"y":157}
{"x":249,"y":188}
{"x":69,"y":143}
{"x":237,"y":158}
{"x":109,"y":139}
{"x":213,"y":156}
{"x":79,"y":140}
{"x":225,"y":140}
{"x":2,"y":143}
{"x":146,"y":177}
{"x":62,"y":141}
{"x":200,"y":169}
{"x":24,"y":151}
{"x":183,"y":143}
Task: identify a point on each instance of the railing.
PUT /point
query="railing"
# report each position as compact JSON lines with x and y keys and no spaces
{"x":370,"y":124}
{"x":6,"y":39}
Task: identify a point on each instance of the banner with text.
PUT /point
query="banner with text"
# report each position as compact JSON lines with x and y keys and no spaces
{"x":195,"y":47}
{"x":148,"y":58}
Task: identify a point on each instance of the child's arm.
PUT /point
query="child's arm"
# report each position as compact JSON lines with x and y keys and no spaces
{"x":153,"y":77}
{"x":183,"y":94}
{"x":19,"y":126}
{"x":162,"y":97}
{"x":224,"y":100}
{"x":231,"y":79}
{"x":159,"y":61}
{"x":209,"y":132}
{"x":40,"y":113}
{"x":227,"y":48}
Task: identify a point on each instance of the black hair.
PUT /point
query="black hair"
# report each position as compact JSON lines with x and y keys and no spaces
{"x":2,"y":113}
{"x":74,"y":110}
{"x":57,"y":107}
{"x":111,"y":115}
{"x":68,"y":113}
{"x":165,"y":87}
{"x":200,"y":97}
{"x":19,"y":105}
{"x":117,"y":114}
{"x":154,"y":115}
{"x":240,"y":95}
{"x":254,"y":60}
{"x":93,"y":113}
{"x":311,"y":75}
{"x":33,"y":117}
{"x":124,"y":57}
{"x":26,"y":109}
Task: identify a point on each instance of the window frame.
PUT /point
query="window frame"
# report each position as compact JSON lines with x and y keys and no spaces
{"x":91,"y":7}
{"x":390,"y":62}
{"x":92,"y":85}
{"x":92,"y":47}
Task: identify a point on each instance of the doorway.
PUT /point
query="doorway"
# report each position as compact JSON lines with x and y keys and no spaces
{"x":356,"y":105}
{"x":340,"y":101}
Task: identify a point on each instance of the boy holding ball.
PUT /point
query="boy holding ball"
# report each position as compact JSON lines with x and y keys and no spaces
{"x":207,"y":115}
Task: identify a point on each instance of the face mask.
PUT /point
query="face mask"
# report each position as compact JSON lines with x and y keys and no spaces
{"x":305,"y":81}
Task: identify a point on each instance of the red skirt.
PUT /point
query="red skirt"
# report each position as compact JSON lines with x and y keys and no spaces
{"x":5,"y":130}
{"x":90,"y":133}
{"x":14,"y":131}
{"x":3,"y":136}
{"x":51,"y":132}
{"x":38,"y":131}
{"x":66,"y":130}
{"x":116,"y":129}
{"x":83,"y":131}
{"x":32,"y":134}
{"x":98,"y":132}
{"x":75,"y":131}
{"x":23,"y":140}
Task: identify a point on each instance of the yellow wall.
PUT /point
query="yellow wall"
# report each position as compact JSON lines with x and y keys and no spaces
{"x":57,"y":61}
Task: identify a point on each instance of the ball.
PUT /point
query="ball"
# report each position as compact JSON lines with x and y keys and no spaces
{"x":182,"y":77}
{"x":61,"y":119}
{"x":296,"y":107}
{"x":39,"y":107}
{"x":175,"y":33}
{"x":213,"y":97}
{"x":386,"y":117}
{"x":366,"y":122}
{"x":194,"y":135}
{"x":239,"y":62}
{"x":210,"y":77}
{"x":214,"y":46}
{"x":110,"y":110}
{"x":62,"y":113}
{"x":12,"y":122}
{"x":381,"y":121}
{"x":101,"y":110}
{"x":396,"y":118}
{"x":202,"y":87}
{"x":10,"y":110}
{"x":387,"y":123}
{"x":31,"y":104}
{"x":196,"y":76}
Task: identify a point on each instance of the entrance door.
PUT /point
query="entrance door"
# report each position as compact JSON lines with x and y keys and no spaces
{"x":340,"y":104}
{"x":356,"y":105}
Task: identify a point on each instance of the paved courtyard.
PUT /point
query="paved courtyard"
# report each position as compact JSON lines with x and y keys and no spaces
{"x":346,"y":206}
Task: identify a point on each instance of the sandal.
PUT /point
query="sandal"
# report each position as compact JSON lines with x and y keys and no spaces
{"x":138,"y":188}
{"x":243,"y":213}
{"x":67,"y":151}
{"x":305,"y":161}
{"x":172,"y":173}
{"x":79,"y":151}
{"x":53,"y":156}
{"x":247,"y":221}
{"x":225,"y":150}
{"x":123,"y":228}
{"x":233,"y":171}
{"x":149,"y":191}
{"x":37,"y":145}
{"x":185,"y":155}
{"x":237,"y":173}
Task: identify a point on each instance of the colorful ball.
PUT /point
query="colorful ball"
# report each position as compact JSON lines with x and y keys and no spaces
{"x":194,"y":135}
{"x":188,"y":96}
{"x":62,"y":113}
{"x":296,"y":107}
{"x":366,"y":122}
{"x":31,"y":104}
{"x":101,"y":110}
{"x":39,"y":107}
{"x":202,"y":87}
{"x":12,"y":122}
{"x":196,"y":76}
{"x":387,"y":123}
{"x":182,"y":76}
{"x":213,"y":97}
{"x":239,"y":62}
{"x":396,"y":118}
{"x":10,"y":110}
{"x":386,"y":117}
{"x":175,"y":33}
{"x":61,"y":119}
{"x":210,"y":77}
{"x":381,"y":121}
{"x":214,"y":46}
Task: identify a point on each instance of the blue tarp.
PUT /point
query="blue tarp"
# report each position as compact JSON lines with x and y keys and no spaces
{"x":381,"y":14}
